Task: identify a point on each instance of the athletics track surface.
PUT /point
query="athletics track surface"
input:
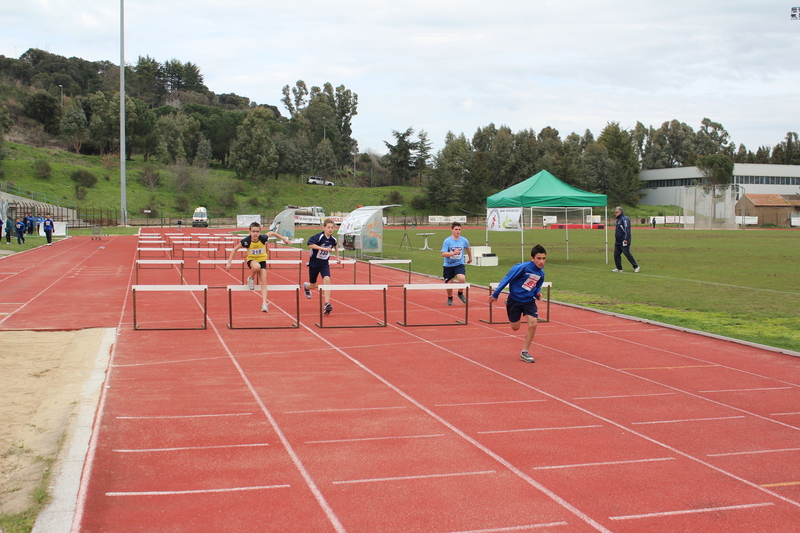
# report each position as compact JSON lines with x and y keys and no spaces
{"x":619,"y":426}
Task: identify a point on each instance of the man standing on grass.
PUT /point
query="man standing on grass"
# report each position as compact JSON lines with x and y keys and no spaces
{"x":453,"y":249}
{"x":622,"y":241}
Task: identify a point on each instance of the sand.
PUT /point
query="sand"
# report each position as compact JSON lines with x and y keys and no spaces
{"x":42,"y":375}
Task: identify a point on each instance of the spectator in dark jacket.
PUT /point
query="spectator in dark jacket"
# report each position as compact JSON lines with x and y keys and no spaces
{"x":622,"y":241}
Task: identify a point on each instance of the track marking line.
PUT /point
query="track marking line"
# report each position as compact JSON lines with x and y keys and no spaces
{"x":669,"y":367}
{"x":624,"y":396}
{"x":334,"y":441}
{"x":687,"y":420}
{"x":486,"y":403}
{"x":537,"y":429}
{"x":785,"y":414}
{"x":691,"y":511}
{"x":185,"y":448}
{"x":745,"y":390}
{"x":786,"y":484}
{"x":170,"y":362}
{"x":604,"y":463}
{"x":423,"y":476}
{"x":180,"y":416}
{"x":199,"y":491}
{"x":341,"y":410}
{"x":754,"y":452}
{"x":513,"y":528}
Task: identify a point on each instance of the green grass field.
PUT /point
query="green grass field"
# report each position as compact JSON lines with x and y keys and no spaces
{"x":740,"y":284}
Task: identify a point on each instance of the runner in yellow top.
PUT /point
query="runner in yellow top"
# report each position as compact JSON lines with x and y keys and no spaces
{"x":256,"y":244}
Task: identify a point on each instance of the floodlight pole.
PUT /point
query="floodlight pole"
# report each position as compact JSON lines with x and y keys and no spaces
{"x":123,"y":200}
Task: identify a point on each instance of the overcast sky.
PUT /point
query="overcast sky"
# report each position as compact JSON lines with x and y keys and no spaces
{"x":442,"y":65}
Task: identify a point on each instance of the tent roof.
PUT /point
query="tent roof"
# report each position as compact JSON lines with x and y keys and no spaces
{"x":545,"y":190}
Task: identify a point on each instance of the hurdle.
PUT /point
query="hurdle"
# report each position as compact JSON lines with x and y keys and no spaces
{"x":389,"y":262}
{"x":353,"y":288}
{"x":434,"y":286}
{"x":270,"y":288}
{"x":171,"y":262}
{"x":213,"y":263}
{"x":153,"y":249}
{"x":289,"y":249}
{"x":298,"y":263}
{"x":493,"y":286}
{"x":171,"y":288}
{"x":344,"y":262}
{"x":198,"y":250}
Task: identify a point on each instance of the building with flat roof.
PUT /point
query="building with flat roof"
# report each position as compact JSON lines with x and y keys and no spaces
{"x":662,"y":186}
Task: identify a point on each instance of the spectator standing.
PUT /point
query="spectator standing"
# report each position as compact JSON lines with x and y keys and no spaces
{"x":48,"y":225}
{"x":9,"y":227}
{"x":622,"y":241}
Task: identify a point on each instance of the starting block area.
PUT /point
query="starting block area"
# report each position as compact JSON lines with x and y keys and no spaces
{"x":382,"y":288}
{"x":177,"y":308}
{"x":257,"y":289}
{"x":492,"y":286}
{"x":436,"y":287}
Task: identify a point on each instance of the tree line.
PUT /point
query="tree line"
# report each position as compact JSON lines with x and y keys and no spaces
{"x":173,"y":117}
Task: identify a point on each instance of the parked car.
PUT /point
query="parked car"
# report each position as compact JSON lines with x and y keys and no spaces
{"x":314,"y":180}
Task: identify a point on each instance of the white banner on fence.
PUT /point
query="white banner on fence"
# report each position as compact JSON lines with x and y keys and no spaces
{"x":504,"y":218}
{"x":748,"y":221}
{"x":795,"y":221}
{"x":548,"y":219}
{"x":59,"y":229}
{"x":244,"y":221}
{"x":433,"y":219}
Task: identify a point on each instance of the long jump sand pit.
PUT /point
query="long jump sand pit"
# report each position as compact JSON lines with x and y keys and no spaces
{"x":42,"y":376}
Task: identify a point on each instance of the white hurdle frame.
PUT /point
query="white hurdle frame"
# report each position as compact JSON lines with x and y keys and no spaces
{"x":172,"y":262}
{"x":257,"y":289}
{"x":296,"y":262}
{"x":171,"y":288}
{"x":493,"y":286}
{"x":389,"y":262}
{"x":434,"y":286}
{"x":354,"y":287}
{"x":153,"y":249}
{"x":198,"y":250}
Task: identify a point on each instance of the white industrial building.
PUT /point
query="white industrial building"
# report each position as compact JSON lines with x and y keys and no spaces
{"x":663,"y":186}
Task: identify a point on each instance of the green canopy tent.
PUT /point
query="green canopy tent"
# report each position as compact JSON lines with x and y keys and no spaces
{"x":546,"y":190}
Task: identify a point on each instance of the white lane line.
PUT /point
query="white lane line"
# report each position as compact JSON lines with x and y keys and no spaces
{"x":171,"y":362}
{"x":691,"y":511}
{"x":746,"y":390}
{"x":785,"y":414}
{"x":624,"y":396}
{"x":513,"y":528}
{"x":486,"y":403}
{"x":200,"y":491}
{"x":183,"y":448}
{"x":605,"y":463}
{"x":423,"y":476}
{"x":333,"y":441}
{"x":341,"y":410}
{"x":754,"y":452}
{"x":180,"y":416}
{"x":538,"y":429}
{"x":687,"y":420}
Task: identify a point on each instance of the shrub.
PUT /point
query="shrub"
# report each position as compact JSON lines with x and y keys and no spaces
{"x":394,"y":197}
{"x":254,"y":201}
{"x":150,"y":177}
{"x":418,"y":203}
{"x":80,"y":191}
{"x":43,"y":169}
{"x":84,"y":178}
{"x":182,"y":203}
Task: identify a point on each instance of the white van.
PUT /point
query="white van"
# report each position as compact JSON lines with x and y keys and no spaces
{"x":200,"y":218}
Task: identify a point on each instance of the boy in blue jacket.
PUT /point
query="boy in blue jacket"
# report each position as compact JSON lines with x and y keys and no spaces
{"x":524,"y":282}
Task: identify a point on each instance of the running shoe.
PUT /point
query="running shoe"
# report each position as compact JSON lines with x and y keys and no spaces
{"x":328,"y":309}
{"x":305,"y":290}
{"x":265,"y":308}
{"x":617,"y":270}
{"x":449,"y":300}
{"x":462,"y":297}
{"x":525,"y":356}
{"x":251,"y":284}
{"x":636,"y":269}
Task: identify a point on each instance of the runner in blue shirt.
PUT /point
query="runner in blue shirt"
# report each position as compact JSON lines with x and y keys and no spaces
{"x":48,"y":225}
{"x":453,"y":249}
{"x":19,"y":227}
{"x":524,"y":282}
{"x":321,"y":245}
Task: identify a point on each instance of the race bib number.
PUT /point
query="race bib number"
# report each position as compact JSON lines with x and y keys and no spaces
{"x":323,"y":254}
{"x":459,"y":253}
{"x":257,"y":252}
{"x":531,"y":282}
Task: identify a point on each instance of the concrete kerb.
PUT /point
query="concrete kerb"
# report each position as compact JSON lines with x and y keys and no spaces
{"x":58,"y":515}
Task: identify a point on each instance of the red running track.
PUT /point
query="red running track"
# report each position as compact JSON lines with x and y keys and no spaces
{"x":619,"y":426}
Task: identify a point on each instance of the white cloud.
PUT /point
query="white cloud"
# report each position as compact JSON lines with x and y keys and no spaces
{"x":456,"y":66}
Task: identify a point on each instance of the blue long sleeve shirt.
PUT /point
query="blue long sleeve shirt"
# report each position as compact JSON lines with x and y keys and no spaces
{"x":524,"y":282}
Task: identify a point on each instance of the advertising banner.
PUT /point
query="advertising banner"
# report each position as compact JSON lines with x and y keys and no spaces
{"x":504,"y":219}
